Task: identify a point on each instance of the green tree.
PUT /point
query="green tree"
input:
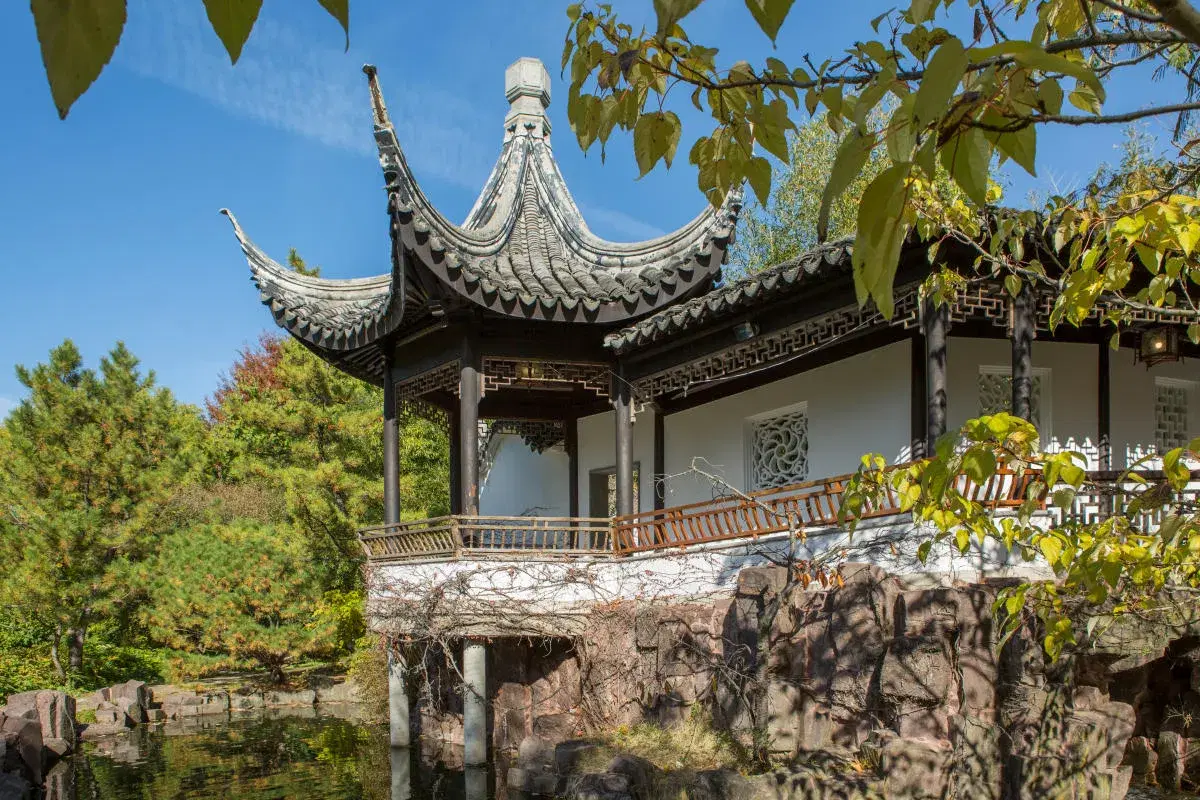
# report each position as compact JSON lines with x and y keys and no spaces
{"x":241,"y":592}
{"x":287,"y":418}
{"x":87,"y":462}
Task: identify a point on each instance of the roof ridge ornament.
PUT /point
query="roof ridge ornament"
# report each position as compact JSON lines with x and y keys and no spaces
{"x":378,"y":107}
{"x":527,"y":89}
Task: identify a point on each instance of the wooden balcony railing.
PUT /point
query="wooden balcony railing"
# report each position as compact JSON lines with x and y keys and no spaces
{"x":805,"y":505}
{"x":802,"y":505}
{"x":461,"y":536}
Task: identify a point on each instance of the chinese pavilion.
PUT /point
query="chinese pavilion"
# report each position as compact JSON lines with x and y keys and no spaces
{"x":522,"y":318}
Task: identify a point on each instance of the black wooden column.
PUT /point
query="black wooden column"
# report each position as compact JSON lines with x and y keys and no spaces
{"x":1022,"y":353}
{"x":455,"y":461}
{"x":1104,"y":404}
{"x":391,"y":450}
{"x":469,"y":391}
{"x":660,"y":459}
{"x":935,"y":320}
{"x":622,"y":404}
{"x":918,"y":405}
{"x":571,"y":443}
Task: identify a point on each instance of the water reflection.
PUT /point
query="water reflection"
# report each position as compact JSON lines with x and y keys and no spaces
{"x":273,"y":755}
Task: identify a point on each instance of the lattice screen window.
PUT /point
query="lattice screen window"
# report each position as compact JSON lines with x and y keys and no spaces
{"x":995,"y":394}
{"x":778,"y":448}
{"x":1170,"y":414}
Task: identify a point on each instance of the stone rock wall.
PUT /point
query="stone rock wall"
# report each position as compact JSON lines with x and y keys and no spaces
{"x":903,"y":677}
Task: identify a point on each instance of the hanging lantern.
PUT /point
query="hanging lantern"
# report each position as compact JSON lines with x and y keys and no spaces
{"x":1158,"y":345}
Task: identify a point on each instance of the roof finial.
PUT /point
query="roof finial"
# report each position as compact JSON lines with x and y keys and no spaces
{"x":527,"y":87}
{"x":378,"y":108}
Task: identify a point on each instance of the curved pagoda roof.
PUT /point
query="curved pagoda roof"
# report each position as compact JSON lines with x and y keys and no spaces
{"x":524,"y":250}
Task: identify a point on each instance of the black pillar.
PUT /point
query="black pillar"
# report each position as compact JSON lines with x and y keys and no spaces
{"x":571,"y":442}
{"x":469,"y":391}
{"x":1104,"y":404}
{"x":391,"y":451}
{"x":935,"y":320}
{"x":660,"y":459}
{"x":455,"y":461}
{"x":918,"y":410}
{"x":622,"y":404}
{"x":1022,"y":353}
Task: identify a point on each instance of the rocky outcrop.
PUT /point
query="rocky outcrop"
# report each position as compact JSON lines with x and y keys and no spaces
{"x":904,"y":678}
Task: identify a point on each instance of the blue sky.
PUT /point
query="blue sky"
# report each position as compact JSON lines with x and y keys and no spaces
{"x":108,"y":221}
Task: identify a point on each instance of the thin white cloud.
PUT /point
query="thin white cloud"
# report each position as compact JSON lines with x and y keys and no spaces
{"x":307,"y":88}
{"x":7,"y":404}
{"x":619,"y":225}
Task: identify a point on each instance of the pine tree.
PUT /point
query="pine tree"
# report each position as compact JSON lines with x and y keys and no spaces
{"x":87,"y":462}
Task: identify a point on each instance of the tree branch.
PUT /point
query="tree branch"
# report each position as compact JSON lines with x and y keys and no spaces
{"x":1180,"y":15}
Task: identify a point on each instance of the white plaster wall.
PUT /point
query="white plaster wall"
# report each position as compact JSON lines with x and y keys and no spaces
{"x":855,"y":406}
{"x":1073,"y":420}
{"x":598,"y":450}
{"x":524,"y":483}
{"x":1133,"y":403}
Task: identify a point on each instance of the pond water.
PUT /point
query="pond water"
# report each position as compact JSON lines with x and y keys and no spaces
{"x":296,"y":756}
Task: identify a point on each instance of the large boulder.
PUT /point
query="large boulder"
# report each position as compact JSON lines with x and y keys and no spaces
{"x":53,"y":710}
{"x":598,"y":786}
{"x":133,"y":698}
{"x":280,"y":699}
{"x":23,"y":747}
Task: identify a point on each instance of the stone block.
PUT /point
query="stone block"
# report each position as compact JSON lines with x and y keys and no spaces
{"x":344,"y":692}
{"x":915,"y":768}
{"x":133,"y":697}
{"x":1142,"y":759}
{"x":155,"y":715}
{"x":108,"y":714}
{"x":246,"y":702}
{"x":519,"y":779}
{"x":57,"y":747}
{"x":544,"y":785}
{"x":598,"y":786}
{"x":23,"y":740}
{"x":977,"y":771}
{"x":555,"y":727}
{"x":1172,"y":760}
{"x":302,"y":698}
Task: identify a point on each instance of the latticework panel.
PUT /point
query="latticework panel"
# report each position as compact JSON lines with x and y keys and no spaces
{"x":501,"y":372}
{"x":1170,"y":416}
{"x":442,"y":378}
{"x":779,"y":450}
{"x":995,"y":393}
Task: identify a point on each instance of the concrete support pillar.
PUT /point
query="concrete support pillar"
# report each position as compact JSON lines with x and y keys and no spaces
{"x":1022,"y":353}
{"x":475,"y":783}
{"x":623,"y":405}
{"x":936,"y":323}
{"x":398,"y":713}
{"x":475,"y":729}
{"x":401,"y":773}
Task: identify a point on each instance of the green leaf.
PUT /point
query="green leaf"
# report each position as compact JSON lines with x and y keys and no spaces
{"x":921,"y":11}
{"x":758,"y":172}
{"x":966,"y":158}
{"x":923,"y":550}
{"x":1051,"y":548}
{"x":979,"y":465}
{"x":769,"y":14}
{"x":1013,"y":284}
{"x":942,"y":76}
{"x":655,"y":136}
{"x":78,"y":38}
{"x":1085,"y":99}
{"x":670,"y":12}
{"x":1021,"y":146}
{"x":232,"y":20}
{"x":339,"y":10}
{"x":847,"y":165}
